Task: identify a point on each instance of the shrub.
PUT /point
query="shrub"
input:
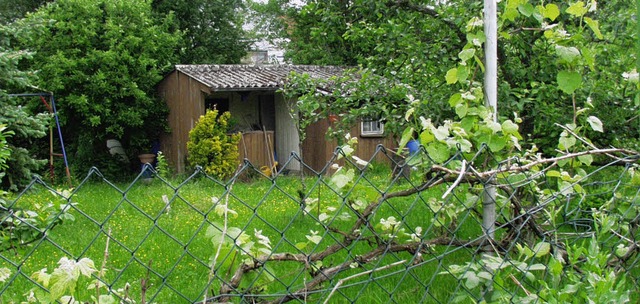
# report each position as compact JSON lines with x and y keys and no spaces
{"x":24,"y":123}
{"x":5,"y":152}
{"x":211,"y":147}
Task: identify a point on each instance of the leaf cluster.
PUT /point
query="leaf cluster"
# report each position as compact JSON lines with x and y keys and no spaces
{"x":212,"y":31}
{"x":211,"y":147}
{"x":23,"y":123}
{"x":102,"y":60}
{"x":548,"y":56}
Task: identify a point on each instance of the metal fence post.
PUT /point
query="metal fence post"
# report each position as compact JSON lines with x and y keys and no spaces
{"x":491,"y":96}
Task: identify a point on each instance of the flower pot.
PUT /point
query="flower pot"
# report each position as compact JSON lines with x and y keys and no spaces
{"x":147,"y":158}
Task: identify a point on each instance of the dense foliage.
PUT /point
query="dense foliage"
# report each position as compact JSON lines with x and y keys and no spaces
{"x":551,"y":71}
{"x":5,"y":152}
{"x":212,"y":30}
{"x":24,"y":125}
{"x":211,"y":147}
{"x":102,"y":59}
{"x":11,"y":10}
{"x":416,"y":42}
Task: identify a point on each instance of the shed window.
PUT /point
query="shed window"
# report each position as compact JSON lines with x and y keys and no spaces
{"x":371,"y":127}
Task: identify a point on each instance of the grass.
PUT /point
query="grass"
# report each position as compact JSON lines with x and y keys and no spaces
{"x":170,"y":248}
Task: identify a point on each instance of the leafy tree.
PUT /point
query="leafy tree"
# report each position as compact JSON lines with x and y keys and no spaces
{"x":23,"y":125}
{"x":10,"y":10}
{"x":415,"y":43}
{"x":102,"y":59}
{"x":212,"y":30}
{"x":5,"y":152}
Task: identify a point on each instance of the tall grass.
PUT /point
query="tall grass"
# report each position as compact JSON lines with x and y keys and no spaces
{"x":167,"y":245}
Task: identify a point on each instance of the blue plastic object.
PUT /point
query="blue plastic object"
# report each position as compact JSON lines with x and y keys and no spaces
{"x":413,"y":146}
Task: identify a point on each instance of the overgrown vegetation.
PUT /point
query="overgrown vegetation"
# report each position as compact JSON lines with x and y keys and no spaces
{"x":212,"y":31}
{"x":562,"y":229}
{"x":26,"y":126}
{"x":412,"y":45}
{"x":102,"y":60}
{"x":211,"y":147}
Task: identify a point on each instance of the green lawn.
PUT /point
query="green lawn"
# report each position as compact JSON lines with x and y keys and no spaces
{"x":171,"y":249}
{"x":175,"y":244}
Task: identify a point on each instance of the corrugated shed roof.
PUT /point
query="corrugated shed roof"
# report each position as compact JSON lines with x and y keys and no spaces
{"x":252,"y":77}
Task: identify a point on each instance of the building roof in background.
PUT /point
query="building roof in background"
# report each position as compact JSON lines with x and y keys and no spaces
{"x":252,"y":77}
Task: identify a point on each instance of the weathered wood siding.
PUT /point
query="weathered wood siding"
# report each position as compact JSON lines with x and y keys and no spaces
{"x":318,"y":150}
{"x":257,"y":147}
{"x":185,"y":98}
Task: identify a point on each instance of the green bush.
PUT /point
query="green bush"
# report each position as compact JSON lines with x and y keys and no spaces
{"x":5,"y":152}
{"x":103,"y":60}
{"x":211,"y":147}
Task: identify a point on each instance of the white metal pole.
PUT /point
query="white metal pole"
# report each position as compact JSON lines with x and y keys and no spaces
{"x":491,"y":101}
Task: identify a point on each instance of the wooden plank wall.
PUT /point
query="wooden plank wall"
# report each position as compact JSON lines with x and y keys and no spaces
{"x":185,"y":98}
{"x":256,"y":146}
{"x":318,"y":150}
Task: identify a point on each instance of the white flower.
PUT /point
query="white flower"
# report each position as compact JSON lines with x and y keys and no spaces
{"x":631,"y":76}
{"x":562,"y":33}
{"x":409,"y":113}
{"x":5,"y":273}
{"x":262,"y":239}
{"x":220,"y":209}
{"x":468,"y":96}
{"x":323,"y":217}
{"x":417,"y":234}
{"x":347,"y":150}
{"x":474,"y":22}
{"x":426,"y":123}
{"x":389,"y":224}
{"x":31,"y":298}
{"x":359,"y":161}
{"x":69,"y":300}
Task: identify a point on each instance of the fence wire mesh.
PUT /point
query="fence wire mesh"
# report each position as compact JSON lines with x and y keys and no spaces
{"x":390,"y":230}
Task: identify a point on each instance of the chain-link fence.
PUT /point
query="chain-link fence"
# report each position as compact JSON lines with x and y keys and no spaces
{"x":359,"y":232}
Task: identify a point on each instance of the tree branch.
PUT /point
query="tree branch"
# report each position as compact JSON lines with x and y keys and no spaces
{"x":427,"y":10}
{"x":529,"y":166}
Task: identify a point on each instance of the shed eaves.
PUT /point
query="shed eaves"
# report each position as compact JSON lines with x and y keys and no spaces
{"x":253,"y":77}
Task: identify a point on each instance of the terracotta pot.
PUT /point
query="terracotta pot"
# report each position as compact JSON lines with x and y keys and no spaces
{"x":147,"y":158}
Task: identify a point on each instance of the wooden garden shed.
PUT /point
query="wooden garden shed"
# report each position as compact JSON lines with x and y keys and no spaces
{"x":258,"y":110}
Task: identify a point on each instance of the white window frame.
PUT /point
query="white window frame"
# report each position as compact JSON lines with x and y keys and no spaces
{"x":371,"y":127}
